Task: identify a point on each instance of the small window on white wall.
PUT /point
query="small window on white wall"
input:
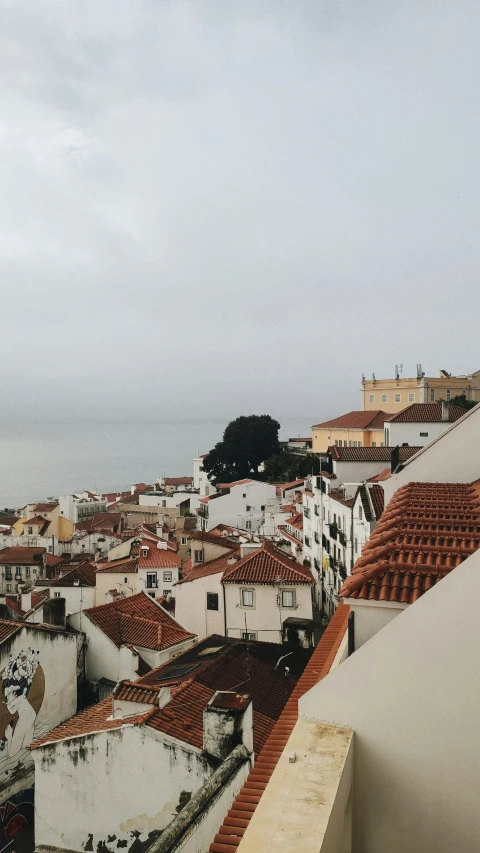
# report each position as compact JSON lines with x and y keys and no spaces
{"x":288,"y":598}
{"x":247,"y":597}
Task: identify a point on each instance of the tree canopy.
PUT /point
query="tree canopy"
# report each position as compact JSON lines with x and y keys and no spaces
{"x":285,"y":467}
{"x":461,"y":401}
{"x":247,"y":442}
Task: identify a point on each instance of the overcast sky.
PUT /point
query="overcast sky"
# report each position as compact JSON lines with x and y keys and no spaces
{"x":220,"y":207}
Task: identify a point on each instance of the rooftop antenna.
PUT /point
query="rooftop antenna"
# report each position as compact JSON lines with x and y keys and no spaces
{"x":398,"y":370}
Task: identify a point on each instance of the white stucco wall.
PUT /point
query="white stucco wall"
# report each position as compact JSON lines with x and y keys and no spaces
{"x":52,"y":693}
{"x":411,"y":695}
{"x":231,"y":508}
{"x":451,"y":458}
{"x":265,"y":618}
{"x":371,"y":616}
{"x":103,"y":659}
{"x":163,"y":586}
{"x":356,"y":472}
{"x":411,"y":433}
{"x":112,"y":783}
{"x":77,"y":598}
{"x":191,"y":606}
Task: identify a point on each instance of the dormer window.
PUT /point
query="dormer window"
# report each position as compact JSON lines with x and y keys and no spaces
{"x":144,"y":551}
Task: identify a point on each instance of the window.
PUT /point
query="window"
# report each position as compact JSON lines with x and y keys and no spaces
{"x":248,"y":635}
{"x":432,"y":395}
{"x":345,"y":443}
{"x":9,"y":587}
{"x":262,"y":508}
{"x":247,"y":597}
{"x":371,"y":399}
{"x":248,"y":508}
{"x":384,"y":398}
{"x":125,"y":580}
{"x":18,"y":572}
{"x":374,"y":443}
{"x":448,"y":394}
{"x":165,"y":592}
{"x":424,"y":435}
{"x":27,"y":572}
{"x":212,"y":600}
{"x":288,"y":598}
{"x":198,"y":556}
{"x":167,"y":577}
{"x":57,"y":594}
{"x":151,"y":580}
{"x":360,"y":513}
{"x":30,"y":530}
{"x":164,"y":503}
{"x":245,"y":495}
{"x":152,"y":594}
{"x":248,"y":525}
{"x":184,"y":540}
{"x":411,"y":398}
{"x":356,"y":545}
{"x":308,"y":542}
{"x":8,"y":574}
{"x":398,"y":397}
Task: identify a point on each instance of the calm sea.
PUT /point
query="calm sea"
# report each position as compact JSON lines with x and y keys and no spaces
{"x":39,"y":460}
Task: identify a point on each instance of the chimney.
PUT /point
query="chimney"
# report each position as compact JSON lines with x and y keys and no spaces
{"x":445,"y":412}
{"x":26,"y":601}
{"x":227,"y":722}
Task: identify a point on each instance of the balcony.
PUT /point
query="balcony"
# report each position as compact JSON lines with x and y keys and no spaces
{"x":203,"y":510}
{"x":306,"y":512}
{"x":342,"y":538}
{"x":316,"y":510}
{"x":342,"y":571}
{"x":333,"y":531}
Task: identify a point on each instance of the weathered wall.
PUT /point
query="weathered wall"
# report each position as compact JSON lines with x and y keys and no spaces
{"x":115,"y":580}
{"x":371,"y":616}
{"x":103,"y":658}
{"x":115,"y":788}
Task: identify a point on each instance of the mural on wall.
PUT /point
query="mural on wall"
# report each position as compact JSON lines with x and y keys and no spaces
{"x":17,"y":823}
{"x":23,"y":690}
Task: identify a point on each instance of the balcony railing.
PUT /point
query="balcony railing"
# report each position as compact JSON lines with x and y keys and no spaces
{"x":317,"y":538}
{"x":342,"y":571}
{"x":316,"y":509}
{"x":306,"y":512}
{"x":333,"y":531}
{"x":342,"y":538}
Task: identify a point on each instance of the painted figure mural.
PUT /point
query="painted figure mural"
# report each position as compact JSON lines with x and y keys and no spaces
{"x":23,"y":688}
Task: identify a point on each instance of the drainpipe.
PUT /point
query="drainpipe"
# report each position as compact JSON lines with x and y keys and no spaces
{"x":224,"y":611}
{"x":352,"y":540}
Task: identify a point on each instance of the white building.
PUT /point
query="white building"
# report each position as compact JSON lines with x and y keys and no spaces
{"x":158,"y":566}
{"x":257,"y":595}
{"x":126,"y":638}
{"x":336,"y":525}
{"x":240,"y":504}
{"x":136,"y":759}
{"x":200,"y":478}
{"x":81,"y":505}
{"x":418,"y":424}
{"x":20,"y":565}
{"x":357,"y":464}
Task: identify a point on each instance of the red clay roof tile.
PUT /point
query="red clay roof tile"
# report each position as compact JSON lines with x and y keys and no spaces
{"x":373,"y":419}
{"x":138,"y":620}
{"x":267,"y":565}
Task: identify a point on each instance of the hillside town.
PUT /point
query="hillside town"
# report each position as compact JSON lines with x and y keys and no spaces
{"x":200,"y":665}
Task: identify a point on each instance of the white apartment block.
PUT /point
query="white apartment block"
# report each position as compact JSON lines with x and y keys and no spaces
{"x":241,"y":504}
{"x":81,"y":506}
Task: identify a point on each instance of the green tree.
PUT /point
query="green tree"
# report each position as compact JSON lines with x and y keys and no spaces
{"x":285,"y":467}
{"x":461,"y":401}
{"x":247,"y":442}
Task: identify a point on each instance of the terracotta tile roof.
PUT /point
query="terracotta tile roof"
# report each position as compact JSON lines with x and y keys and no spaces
{"x":426,"y":530}
{"x":384,"y":475}
{"x":52,"y":560}
{"x":157,"y":558}
{"x":139,"y":621}
{"x":214,"y":539}
{"x":235,"y":483}
{"x":118,"y":567}
{"x":267,"y":565}
{"x":369,"y":454}
{"x":339,"y":496}
{"x":374,"y":419}
{"x":14,"y":604}
{"x":212,"y":567}
{"x":81,"y":575}
{"x":216,"y":663}
{"x":295,"y":520}
{"x":426,"y":413}
{"x":295,"y":484}
{"x":41,"y":508}
{"x":285,"y":534}
{"x":22,"y":556}
{"x":239,"y":815}
{"x":378,"y":499}
{"x":93,"y":719}
{"x":101,"y":521}
{"x":36,"y":519}
{"x":131,"y":691}
{"x":8,"y":628}
{"x":178,"y":481}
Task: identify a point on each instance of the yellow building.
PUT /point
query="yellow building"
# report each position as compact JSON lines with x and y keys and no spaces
{"x":393,"y":395}
{"x":44,"y":519}
{"x":356,"y":429}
